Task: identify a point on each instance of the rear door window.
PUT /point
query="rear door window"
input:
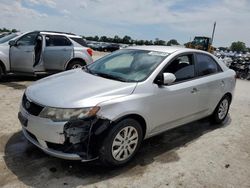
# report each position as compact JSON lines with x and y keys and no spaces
{"x":54,"y":40}
{"x":206,"y":65}
{"x":79,"y":41}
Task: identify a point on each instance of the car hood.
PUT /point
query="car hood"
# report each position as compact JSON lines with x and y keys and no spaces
{"x":4,"y":46}
{"x":76,"y":89}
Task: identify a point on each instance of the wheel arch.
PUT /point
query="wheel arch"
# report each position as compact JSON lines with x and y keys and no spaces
{"x":226,"y":94}
{"x":75,"y":59}
{"x":3,"y":67}
{"x":229,"y":95}
{"x":214,"y":117}
{"x":136,"y":117}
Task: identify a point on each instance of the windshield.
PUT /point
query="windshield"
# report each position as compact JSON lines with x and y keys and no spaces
{"x":200,"y":41}
{"x":7,"y":38}
{"x":127,"y":65}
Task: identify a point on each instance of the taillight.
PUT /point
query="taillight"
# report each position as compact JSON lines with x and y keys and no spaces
{"x":90,"y":51}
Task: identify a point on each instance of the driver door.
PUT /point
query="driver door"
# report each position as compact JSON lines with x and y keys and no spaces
{"x":22,"y":54}
{"x":178,"y":103}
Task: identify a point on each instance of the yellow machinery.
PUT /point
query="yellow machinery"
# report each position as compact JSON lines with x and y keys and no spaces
{"x":201,"y":43}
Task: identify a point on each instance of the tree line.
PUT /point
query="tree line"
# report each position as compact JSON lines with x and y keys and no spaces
{"x":8,"y":30}
{"x":128,"y":40}
{"x":235,"y":46}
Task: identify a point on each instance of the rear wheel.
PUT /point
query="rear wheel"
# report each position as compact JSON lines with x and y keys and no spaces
{"x":221,"y":110}
{"x":1,"y":73}
{"x":75,"y":64}
{"x":121,"y":143}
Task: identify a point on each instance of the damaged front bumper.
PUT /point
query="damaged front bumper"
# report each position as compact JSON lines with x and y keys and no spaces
{"x":55,"y":153}
{"x":72,"y":140}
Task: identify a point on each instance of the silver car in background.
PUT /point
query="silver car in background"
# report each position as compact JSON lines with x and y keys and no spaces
{"x":107,"y":108}
{"x":41,"y":52}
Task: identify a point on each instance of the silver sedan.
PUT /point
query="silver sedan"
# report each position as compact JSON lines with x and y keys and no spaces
{"x":106,"y":109}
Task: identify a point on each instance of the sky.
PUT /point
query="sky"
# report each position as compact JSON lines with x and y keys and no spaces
{"x":140,"y":19}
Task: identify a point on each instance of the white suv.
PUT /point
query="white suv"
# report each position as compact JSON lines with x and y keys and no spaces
{"x":43,"y":52}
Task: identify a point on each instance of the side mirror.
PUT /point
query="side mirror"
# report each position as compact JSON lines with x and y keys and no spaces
{"x":12,"y":43}
{"x":168,"y":78}
{"x":165,"y":79}
{"x":39,"y":37}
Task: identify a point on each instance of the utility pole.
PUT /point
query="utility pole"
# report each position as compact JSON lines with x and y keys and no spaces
{"x":213,"y":33}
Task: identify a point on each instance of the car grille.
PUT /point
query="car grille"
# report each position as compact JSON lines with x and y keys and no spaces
{"x":32,"y":108}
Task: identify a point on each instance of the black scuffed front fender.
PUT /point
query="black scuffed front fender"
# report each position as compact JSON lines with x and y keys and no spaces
{"x":85,"y":136}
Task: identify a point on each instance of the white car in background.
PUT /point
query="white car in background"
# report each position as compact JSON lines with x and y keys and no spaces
{"x":41,"y":52}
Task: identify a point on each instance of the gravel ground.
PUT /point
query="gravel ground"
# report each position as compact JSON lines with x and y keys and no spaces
{"x":193,"y":155}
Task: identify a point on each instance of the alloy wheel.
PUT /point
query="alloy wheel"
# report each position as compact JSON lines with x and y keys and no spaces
{"x":223,"y":108}
{"x":76,"y":66}
{"x":125,"y":143}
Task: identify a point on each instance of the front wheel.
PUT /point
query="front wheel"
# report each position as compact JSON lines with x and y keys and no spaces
{"x":121,"y":143}
{"x":221,"y":110}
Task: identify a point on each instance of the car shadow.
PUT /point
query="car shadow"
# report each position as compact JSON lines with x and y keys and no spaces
{"x":34,"y":168}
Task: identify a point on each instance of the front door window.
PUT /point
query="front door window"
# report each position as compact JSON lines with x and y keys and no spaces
{"x":27,"y":40}
{"x":182,"y":67}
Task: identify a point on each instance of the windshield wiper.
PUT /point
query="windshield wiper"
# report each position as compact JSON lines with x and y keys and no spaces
{"x":113,"y":77}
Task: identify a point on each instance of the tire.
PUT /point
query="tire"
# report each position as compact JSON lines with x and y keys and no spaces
{"x":116,"y":150}
{"x":248,"y":76}
{"x":243,"y":75}
{"x":1,"y":73}
{"x":75,"y":64}
{"x":221,"y":111}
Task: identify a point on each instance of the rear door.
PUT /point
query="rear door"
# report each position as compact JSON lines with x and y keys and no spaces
{"x":57,"y":52}
{"x":22,"y":54}
{"x":210,"y":82}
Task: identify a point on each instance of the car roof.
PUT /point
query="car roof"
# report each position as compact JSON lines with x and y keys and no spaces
{"x":177,"y":50}
{"x":166,"y":49}
{"x":72,"y":35}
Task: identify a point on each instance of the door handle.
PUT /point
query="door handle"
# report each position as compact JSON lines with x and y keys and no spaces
{"x":194,"y":90}
{"x":28,"y":51}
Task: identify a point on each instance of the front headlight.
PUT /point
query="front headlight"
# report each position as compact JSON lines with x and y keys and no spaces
{"x":65,"y":114}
